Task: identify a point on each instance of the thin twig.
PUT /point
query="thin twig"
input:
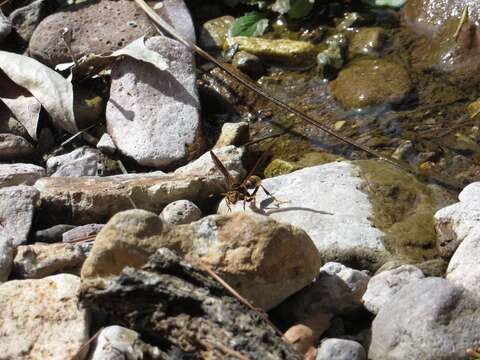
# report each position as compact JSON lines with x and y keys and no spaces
{"x":3,"y":3}
{"x":239,"y":297}
{"x":74,"y":136}
{"x":89,"y":341}
{"x":463,"y":20}
{"x":82,"y":239}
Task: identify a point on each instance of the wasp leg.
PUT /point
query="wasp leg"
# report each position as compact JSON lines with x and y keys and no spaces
{"x":273,"y":197}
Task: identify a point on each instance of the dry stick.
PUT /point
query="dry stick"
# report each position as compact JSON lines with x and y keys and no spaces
{"x":165,"y":27}
{"x":4,"y":3}
{"x":239,"y":297}
{"x":89,"y":341}
{"x":463,"y":20}
{"x":74,"y":136}
{"x":82,"y":239}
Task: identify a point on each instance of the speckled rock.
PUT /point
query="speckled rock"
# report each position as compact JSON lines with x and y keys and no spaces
{"x":233,"y":134}
{"x":26,"y":18}
{"x":16,"y":212}
{"x":340,"y":349}
{"x":180,"y":212}
{"x":383,"y":287}
{"x":162,"y":127}
{"x":110,"y":33}
{"x":5,"y":26}
{"x":176,"y":13}
{"x":80,"y":162}
{"x":370,"y":82}
{"x":43,"y":319}
{"x":13,"y":147}
{"x":20,"y":174}
{"x":256,"y":255}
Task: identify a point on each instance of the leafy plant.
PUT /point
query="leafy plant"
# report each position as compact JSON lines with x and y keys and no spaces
{"x":251,"y":24}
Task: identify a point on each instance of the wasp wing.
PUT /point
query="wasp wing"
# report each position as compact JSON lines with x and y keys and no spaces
{"x":228,"y":178}
{"x":260,"y":160}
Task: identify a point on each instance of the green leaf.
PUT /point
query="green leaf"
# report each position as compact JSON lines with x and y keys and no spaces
{"x":389,"y":3}
{"x":251,"y":24}
{"x":300,"y":8}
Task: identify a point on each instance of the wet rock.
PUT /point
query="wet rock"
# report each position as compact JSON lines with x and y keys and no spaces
{"x":204,"y":312}
{"x":106,"y":144}
{"x":116,"y":342}
{"x":428,"y":16}
{"x":383,"y":287}
{"x":16,"y":212}
{"x":5,"y":26}
{"x":214,"y":33}
{"x":40,"y":260}
{"x":332,"y":59}
{"x":254,"y":254}
{"x":340,"y":349}
{"x":405,"y":150}
{"x":6,"y":257}
{"x":52,"y":234}
{"x":455,"y":222}
{"x":128,"y":24}
{"x":181,"y":212}
{"x":370,"y":82}
{"x":464,"y":268}
{"x":162,"y":128}
{"x":280,"y":167}
{"x":249,"y":64}
{"x":233,"y":134}
{"x":20,"y":174}
{"x":337,"y":289}
{"x":13,"y":147}
{"x":367,"y":41}
{"x":284,"y":51}
{"x":176,"y":13}
{"x":428,"y":319}
{"x":81,"y":232}
{"x":96,"y":199}
{"x":80,"y":162}
{"x":25,"y":19}
{"x":42,"y":319}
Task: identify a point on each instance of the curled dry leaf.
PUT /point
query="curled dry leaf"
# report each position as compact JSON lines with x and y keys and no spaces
{"x":51,"y":90}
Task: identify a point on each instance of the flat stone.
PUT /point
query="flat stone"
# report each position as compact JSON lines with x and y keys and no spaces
{"x":428,"y":319}
{"x":13,"y":147}
{"x":181,"y":212}
{"x":87,"y":200}
{"x":40,"y":260}
{"x":383,"y":287}
{"x":162,"y":127}
{"x":5,"y":26}
{"x":340,"y":349}
{"x":16,"y":212}
{"x":99,"y":27}
{"x":81,"y":232}
{"x":80,"y":162}
{"x":43,"y":319}
{"x":20,"y":174}
{"x":52,"y":234}
{"x":256,"y":255}
{"x":26,"y":18}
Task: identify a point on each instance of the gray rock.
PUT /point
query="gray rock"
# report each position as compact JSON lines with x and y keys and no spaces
{"x":52,"y":234}
{"x":176,"y":13}
{"x":181,"y":212}
{"x":40,"y":260}
{"x":6,"y":257}
{"x":233,"y":134}
{"x":249,"y":64}
{"x":106,"y":144}
{"x":116,"y":342}
{"x":16,"y":212}
{"x":20,"y":174}
{"x":464,"y":267}
{"x":428,"y":319}
{"x":5,"y":26}
{"x":214,"y":33}
{"x":81,"y":232}
{"x":80,"y":162}
{"x":162,"y":128}
{"x":25,"y":19}
{"x":43,"y":319}
{"x":383,"y":287}
{"x":13,"y":147}
{"x":340,"y":349}
{"x":455,"y":222}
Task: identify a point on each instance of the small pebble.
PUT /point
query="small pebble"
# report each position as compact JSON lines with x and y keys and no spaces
{"x":181,"y":212}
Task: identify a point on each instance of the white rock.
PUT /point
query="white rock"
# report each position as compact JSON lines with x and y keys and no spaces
{"x":6,"y":257}
{"x":106,"y":144}
{"x":453,"y":223}
{"x":117,"y":343}
{"x":383,"y":287}
{"x":152,"y":115}
{"x":42,"y":319}
{"x":20,"y":174}
{"x":5,"y":26}
{"x":176,"y":13}
{"x":233,"y":134}
{"x":340,"y":349}
{"x":326,"y":202}
{"x":181,"y":212}
{"x":80,"y":162}
{"x":464,"y":266}
{"x":16,"y":212}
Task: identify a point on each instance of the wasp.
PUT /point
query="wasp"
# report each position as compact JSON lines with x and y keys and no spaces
{"x":244,"y":191}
